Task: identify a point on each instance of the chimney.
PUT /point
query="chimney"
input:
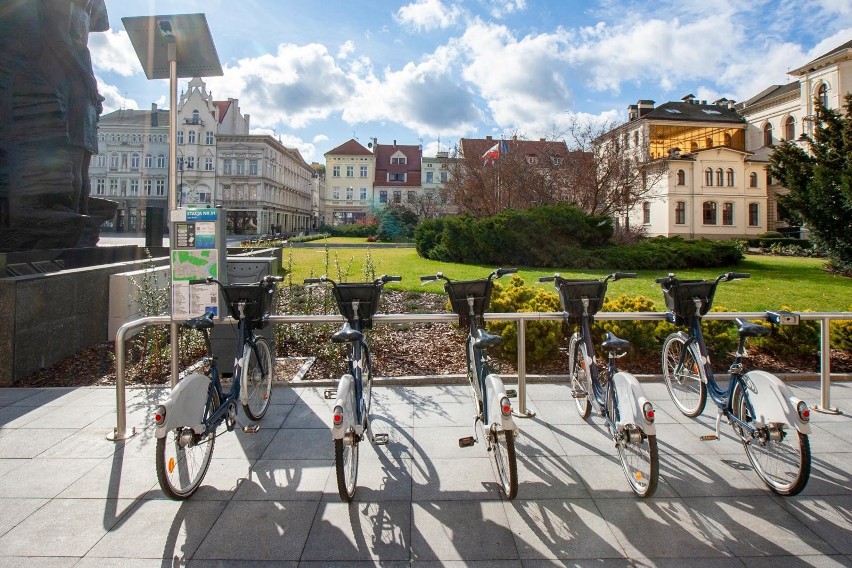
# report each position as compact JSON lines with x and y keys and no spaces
{"x":488,"y":137}
{"x":645,"y":106}
{"x":689,"y":99}
{"x":632,"y":112}
{"x":155,"y":122}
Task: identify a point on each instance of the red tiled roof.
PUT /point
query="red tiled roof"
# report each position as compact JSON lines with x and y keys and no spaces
{"x":350,"y":148}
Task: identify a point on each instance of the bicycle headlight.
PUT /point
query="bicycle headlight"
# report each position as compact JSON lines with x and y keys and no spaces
{"x":803,"y":411}
{"x":160,"y":415}
{"x":648,"y":412}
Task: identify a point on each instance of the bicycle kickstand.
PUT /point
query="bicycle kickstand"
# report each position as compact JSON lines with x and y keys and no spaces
{"x":710,"y":437}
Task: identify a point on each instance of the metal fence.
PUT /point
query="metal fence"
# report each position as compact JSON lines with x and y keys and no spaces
{"x":521,"y":318}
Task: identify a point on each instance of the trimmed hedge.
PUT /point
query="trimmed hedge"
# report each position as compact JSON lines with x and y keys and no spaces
{"x":769,"y":241}
{"x":561,"y":236}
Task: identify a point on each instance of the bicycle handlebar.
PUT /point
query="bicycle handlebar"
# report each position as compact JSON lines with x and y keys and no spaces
{"x":614,"y":276}
{"x":381,"y":280}
{"x":726,"y":277}
{"x":500,"y":272}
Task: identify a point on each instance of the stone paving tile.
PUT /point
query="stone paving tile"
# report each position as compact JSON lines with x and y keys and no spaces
{"x":16,"y":510}
{"x":285,"y":480}
{"x":44,"y":477}
{"x":461,"y":530}
{"x":829,"y":517}
{"x":116,"y":477}
{"x":27,"y":443}
{"x":378,"y":480}
{"x":38,"y":562}
{"x":12,"y":417}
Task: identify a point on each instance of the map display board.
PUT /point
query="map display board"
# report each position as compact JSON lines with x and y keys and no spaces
{"x":195,"y":256}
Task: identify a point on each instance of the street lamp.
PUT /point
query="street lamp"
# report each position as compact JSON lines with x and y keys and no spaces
{"x":172,"y":46}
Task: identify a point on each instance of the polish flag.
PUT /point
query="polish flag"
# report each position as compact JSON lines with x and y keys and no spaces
{"x":495,"y":151}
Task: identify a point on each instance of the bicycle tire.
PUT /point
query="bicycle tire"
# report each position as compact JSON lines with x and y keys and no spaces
{"x":783,"y":465}
{"x":580,"y":378}
{"x":503,"y":449}
{"x":640,"y":460}
{"x":180,"y":470}
{"x":257,"y":378}
{"x":346,"y":463}
{"x":366,"y":385}
{"x":687,"y":387}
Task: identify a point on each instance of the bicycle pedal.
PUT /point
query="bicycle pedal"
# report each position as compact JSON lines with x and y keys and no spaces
{"x":466,"y":442}
{"x":511,"y":393}
{"x":709,"y":438}
{"x":251,"y":428}
{"x":578,"y":394}
{"x":328,"y":394}
{"x":380,"y":439}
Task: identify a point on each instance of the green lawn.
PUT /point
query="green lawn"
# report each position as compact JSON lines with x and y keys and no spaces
{"x":798,"y":283}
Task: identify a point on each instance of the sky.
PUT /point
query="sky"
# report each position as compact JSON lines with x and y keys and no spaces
{"x":315,"y":74}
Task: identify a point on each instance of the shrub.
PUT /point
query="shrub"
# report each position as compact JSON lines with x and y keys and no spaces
{"x":640,"y":334}
{"x":802,"y":339}
{"x":543,"y":338}
{"x":841,"y":334}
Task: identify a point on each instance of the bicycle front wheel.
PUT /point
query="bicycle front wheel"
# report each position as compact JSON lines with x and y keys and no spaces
{"x":685,"y":382}
{"x":580,"y":378}
{"x":503,"y":448}
{"x":183,"y":458}
{"x":781,"y":458}
{"x":257,"y":378}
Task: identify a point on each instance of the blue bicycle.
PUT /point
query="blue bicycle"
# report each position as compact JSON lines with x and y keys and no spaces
{"x":186,"y":423}
{"x":767,"y":418}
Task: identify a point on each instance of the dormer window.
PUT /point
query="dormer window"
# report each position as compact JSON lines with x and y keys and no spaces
{"x":532,"y":159}
{"x":399,"y":159}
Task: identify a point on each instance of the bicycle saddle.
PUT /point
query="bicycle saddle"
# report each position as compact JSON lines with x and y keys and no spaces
{"x":484,"y":340}
{"x":201,"y":322}
{"x":611,"y":343}
{"x":346,"y":334}
{"x":748,"y":329}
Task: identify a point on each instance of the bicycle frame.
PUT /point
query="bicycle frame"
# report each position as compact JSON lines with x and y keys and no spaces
{"x":351,"y":418}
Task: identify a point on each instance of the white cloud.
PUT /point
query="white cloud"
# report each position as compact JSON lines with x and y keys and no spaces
{"x":346,"y":49}
{"x":112,"y":52}
{"x":501,"y":8}
{"x":114,"y":99}
{"x":425,"y":15}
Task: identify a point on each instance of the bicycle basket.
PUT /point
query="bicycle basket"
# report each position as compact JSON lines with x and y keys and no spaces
{"x":257,"y":297}
{"x":367,"y":294}
{"x":679,"y":296}
{"x":460,"y":291}
{"x":572,"y":292}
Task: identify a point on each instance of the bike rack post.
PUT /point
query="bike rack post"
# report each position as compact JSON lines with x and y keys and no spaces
{"x":824,"y":405}
{"x":522,"y":371}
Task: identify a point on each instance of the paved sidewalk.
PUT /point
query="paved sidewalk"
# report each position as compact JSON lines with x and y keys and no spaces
{"x":70,"y":497}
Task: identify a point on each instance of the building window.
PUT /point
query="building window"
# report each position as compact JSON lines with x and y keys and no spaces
{"x":253,"y":167}
{"x":161,"y":187}
{"x":397,"y":196}
{"x":191,"y":137}
{"x":383,"y":196}
{"x":681,"y":177}
{"x":790,"y":128}
{"x":102,"y":160}
{"x":753,"y":215}
{"x":208,"y":164}
{"x":708,"y":177}
{"x":646,"y":213}
{"x":350,"y":193}
{"x":752,"y":179}
{"x":729,"y":176}
{"x":149,"y":160}
{"x":728,"y":213}
{"x":100,"y":187}
{"x":335,"y":193}
{"x":680,"y":213}
{"x":180,"y":137}
{"x":720,"y":179}
{"x":134,"y":161}
{"x":399,"y":160}
{"x":709,"y":211}
{"x":429,"y":177}
{"x":113,"y":161}
{"x":190,"y":162}
{"x":363,"y":171}
{"x":767,"y":135}
{"x":822,"y":95}
{"x":396,"y":176}
{"x":363,"y":194}
{"x":728,"y":140}
{"x":350,"y":171}
{"x":241,"y":167}
{"x":209,"y":139}
{"x":412,"y":196}
{"x":161,"y":161}
{"x":228,"y":166}
{"x":708,"y":142}
{"x":557,"y":161}
{"x":532,"y":160}
{"x":444,"y":177}
{"x":146,"y":187}
{"x":195,"y":117}
{"x":113,"y":187}
{"x":134,"y":187}
{"x":335,"y":171}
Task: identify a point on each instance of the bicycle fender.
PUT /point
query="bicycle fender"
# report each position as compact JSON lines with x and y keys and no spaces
{"x":631,"y":398}
{"x":185,"y":405}
{"x":773,"y":401}
{"x":345,"y":400}
{"x":243,"y":363}
{"x":495,"y":391}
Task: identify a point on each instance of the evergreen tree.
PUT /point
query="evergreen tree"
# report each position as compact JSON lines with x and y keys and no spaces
{"x":820,"y":181}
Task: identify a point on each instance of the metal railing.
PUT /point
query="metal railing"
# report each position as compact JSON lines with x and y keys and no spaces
{"x":521,"y":318}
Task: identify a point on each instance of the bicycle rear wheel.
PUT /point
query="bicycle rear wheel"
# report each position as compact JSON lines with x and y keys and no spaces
{"x":183,"y":458}
{"x":257,"y":378}
{"x":580,"y":377}
{"x":503,"y":448}
{"x":346,"y":461}
{"x":781,"y":458}
{"x":686,"y":383}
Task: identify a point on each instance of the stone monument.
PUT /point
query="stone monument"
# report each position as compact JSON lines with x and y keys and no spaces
{"x":49,"y":108}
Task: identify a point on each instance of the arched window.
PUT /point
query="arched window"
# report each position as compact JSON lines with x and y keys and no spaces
{"x":822,"y":94}
{"x":709,"y":212}
{"x":113,"y":160}
{"x":729,"y":176}
{"x":161,"y":161}
{"x":646,"y":213}
{"x":134,"y":161}
{"x":720,"y":178}
{"x":790,"y":128}
{"x":708,"y":177}
{"x":767,"y":134}
{"x":752,"y":179}
{"x":728,"y":140}
{"x":149,"y":161}
{"x":681,"y":177}
{"x":195,"y":117}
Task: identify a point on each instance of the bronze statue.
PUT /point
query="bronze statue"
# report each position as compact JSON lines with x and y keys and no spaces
{"x":49,"y":107}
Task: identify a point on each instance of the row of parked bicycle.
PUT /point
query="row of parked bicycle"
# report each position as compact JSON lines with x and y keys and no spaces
{"x":769,"y":420}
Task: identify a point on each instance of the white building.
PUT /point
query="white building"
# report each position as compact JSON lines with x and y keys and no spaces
{"x":349,"y":195}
